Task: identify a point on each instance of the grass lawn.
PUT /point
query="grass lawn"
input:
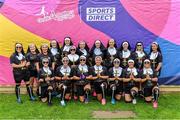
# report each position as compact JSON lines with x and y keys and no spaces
{"x":169,"y":108}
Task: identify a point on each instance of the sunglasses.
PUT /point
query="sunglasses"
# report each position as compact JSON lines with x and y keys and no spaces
{"x":139,"y":45}
{"x":146,"y":62}
{"x":82,"y":59}
{"x":45,"y":62}
{"x":72,"y":49}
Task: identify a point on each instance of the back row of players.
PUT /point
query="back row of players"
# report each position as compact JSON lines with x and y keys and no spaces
{"x":73,"y":72}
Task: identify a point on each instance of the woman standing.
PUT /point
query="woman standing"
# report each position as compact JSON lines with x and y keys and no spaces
{"x":83,"y":49}
{"x":32,"y":60}
{"x":56,"y":52}
{"x":124,"y":54}
{"x":156,"y":57}
{"x":111,"y":53}
{"x":20,"y":72}
{"x":66,"y":46}
{"x":139,"y":55}
{"x":98,"y":49}
{"x":73,"y":57}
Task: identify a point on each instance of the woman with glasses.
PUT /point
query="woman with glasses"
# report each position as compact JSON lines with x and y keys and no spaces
{"x":156,"y":57}
{"x":139,"y":55}
{"x":20,"y":72}
{"x":46,"y":80}
{"x":124,"y":54}
{"x":111,"y":53}
{"x":64,"y":75}
{"x":73,"y":57}
{"x":131,"y":82}
{"x":149,"y":83}
{"x":99,"y":75}
{"x":116,"y":81}
{"x":82,"y":76}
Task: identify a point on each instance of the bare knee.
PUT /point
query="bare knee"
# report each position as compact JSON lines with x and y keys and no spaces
{"x":128,"y":98}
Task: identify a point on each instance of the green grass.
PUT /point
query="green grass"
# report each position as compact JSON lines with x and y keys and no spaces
{"x":169,"y":108}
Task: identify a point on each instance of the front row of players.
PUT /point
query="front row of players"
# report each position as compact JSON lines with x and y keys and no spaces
{"x":116,"y":82}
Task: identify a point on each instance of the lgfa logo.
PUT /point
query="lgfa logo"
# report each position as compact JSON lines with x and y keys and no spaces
{"x":52,"y":15}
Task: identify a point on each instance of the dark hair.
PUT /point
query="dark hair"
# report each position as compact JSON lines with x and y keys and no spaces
{"x":57,"y":45}
{"x":121,"y":47}
{"x":22,"y":51}
{"x":158,"y":47}
{"x":36,"y":50}
{"x":86,"y":46}
{"x":115,"y":45}
{"x":71,"y":43}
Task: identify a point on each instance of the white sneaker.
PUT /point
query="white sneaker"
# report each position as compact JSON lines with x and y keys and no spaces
{"x":134,"y":101}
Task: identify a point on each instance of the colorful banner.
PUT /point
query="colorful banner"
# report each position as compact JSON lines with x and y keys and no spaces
{"x":39,"y":21}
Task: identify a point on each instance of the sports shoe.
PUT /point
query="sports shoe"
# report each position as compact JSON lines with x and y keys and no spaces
{"x":94,"y":94}
{"x":134,"y":101}
{"x":63,"y":103}
{"x":19,"y":100}
{"x":75,"y":97}
{"x":113,"y":101}
{"x":49,"y":103}
{"x":32,"y":98}
{"x":86,"y":101}
{"x":103,"y":101}
{"x":155,"y":104}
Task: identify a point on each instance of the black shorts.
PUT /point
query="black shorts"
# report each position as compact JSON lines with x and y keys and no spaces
{"x":44,"y":90}
{"x":98,"y":88}
{"x":147,"y":91}
{"x":80,"y":90}
{"x":21,"y":75}
{"x":119,"y":86}
{"x":68,"y":85}
{"x":127,"y":87}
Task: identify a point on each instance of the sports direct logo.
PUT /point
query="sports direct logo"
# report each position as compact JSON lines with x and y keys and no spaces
{"x":101,"y":14}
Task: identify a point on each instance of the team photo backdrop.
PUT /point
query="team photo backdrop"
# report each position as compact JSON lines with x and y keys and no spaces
{"x":40,"y":21}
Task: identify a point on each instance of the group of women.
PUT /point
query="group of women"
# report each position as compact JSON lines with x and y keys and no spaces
{"x":76,"y":72}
